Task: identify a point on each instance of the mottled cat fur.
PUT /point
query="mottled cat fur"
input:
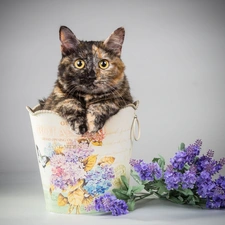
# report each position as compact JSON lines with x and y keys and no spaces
{"x":91,"y":85}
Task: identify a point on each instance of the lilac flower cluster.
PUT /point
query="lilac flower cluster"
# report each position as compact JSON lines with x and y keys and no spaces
{"x":109,"y":203}
{"x":212,"y":190}
{"x":67,"y":168}
{"x":99,"y":180}
{"x":216,"y":199}
{"x":175,"y":179}
{"x":147,"y":171}
{"x":186,"y":156}
{"x":172,"y":178}
{"x":191,"y":172}
{"x":175,"y":176}
{"x":77,"y":152}
{"x":189,"y":178}
{"x":65,"y":173}
{"x":207,"y":163}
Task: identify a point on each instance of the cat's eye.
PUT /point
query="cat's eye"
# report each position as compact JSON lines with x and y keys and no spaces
{"x":103,"y":64}
{"x":79,"y":64}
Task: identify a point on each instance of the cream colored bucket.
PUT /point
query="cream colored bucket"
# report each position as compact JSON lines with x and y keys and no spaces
{"x":75,"y":169}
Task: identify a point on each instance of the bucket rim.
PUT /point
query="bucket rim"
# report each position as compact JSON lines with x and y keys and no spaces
{"x":36,"y":111}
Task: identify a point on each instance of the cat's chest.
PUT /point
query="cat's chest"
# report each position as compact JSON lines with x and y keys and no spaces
{"x":88,"y":98}
{"x":92,"y":99}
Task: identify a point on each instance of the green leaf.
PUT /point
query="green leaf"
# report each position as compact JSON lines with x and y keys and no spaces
{"x":186,"y":167}
{"x":186,"y":192}
{"x":161,"y":186}
{"x":175,"y":200}
{"x":129,"y":192}
{"x":131,"y":204}
{"x":180,"y":198}
{"x":160,"y":161}
{"x":120,"y":194}
{"x":148,"y":186}
{"x":156,"y":160}
{"x":182,"y":146}
{"x":190,"y":200}
{"x":120,"y":190}
{"x":135,"y":177}
{"x":196,"y":198}
{"x":202,"y":201}
{"x":125,"y":182}
{"x":137,"y":188}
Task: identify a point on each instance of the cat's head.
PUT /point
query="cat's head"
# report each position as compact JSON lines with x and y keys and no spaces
{"x":91,"y":67}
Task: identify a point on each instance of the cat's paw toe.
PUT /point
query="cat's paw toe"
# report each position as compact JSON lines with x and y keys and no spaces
{"x":83,"y":129}
{"x":93,"y":127}
{"x":75,"y":127}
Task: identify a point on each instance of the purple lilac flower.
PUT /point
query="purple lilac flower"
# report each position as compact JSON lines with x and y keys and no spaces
{"x":172,"y":178}
{"x":216,"y":197}
{"x":189,"y":178}
{"x":109,"y":203}
{"x":199,"y":175}
{"x":147,"y":171}
{"x":187,"y":155}
{"x":212,"y":204}
{"x":204,"y":189}
{"x":99,"y":180}
{"x":179,"y":160}
{"x":206,"y":163}
{"x":221,"y":181}
{"x":213,"y":191}
{"x":193,"y":151}
{"x":204,"y":184}
{"x":222,"y":161}
{"x":210,"y":153}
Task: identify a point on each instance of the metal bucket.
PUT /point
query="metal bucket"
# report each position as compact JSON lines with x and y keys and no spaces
{"x":75,"y":169}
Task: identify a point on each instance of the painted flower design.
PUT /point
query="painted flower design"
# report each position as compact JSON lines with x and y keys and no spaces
{"x":79,"y":174}
{"x":99,"y":180}
{"x":95,"y":138}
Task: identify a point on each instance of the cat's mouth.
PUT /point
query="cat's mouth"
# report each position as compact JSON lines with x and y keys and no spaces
{"x":94,"y":87}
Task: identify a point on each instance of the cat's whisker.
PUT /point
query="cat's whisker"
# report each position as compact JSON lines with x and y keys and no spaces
{"x":117,"y":92}
{"x":71,"y":91}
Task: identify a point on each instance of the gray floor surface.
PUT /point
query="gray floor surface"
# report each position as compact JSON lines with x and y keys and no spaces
{"x":22,"y":202}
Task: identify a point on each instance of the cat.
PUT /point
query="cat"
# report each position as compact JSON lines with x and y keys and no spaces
{"x":91,"y":85}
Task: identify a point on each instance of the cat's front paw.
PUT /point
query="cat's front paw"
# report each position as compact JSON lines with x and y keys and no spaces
{"x":94,"y":122}
{"x":79,"y":128}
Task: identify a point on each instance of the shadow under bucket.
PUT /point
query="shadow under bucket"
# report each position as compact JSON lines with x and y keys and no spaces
{"x":75,"y":169}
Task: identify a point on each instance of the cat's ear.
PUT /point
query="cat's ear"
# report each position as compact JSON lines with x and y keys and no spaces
{"x":68,"y":40}
{"x":115,"y":41}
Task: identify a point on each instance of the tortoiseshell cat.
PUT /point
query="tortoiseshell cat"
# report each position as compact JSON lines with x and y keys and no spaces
{"x":91,"y":85}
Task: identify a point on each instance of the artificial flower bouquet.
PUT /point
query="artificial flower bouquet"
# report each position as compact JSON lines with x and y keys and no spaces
{"x":188,"y":179}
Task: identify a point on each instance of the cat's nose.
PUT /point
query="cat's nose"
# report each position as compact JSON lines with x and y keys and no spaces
{"x":91,"y":74}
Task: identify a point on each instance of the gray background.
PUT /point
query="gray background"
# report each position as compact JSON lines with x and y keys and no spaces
{"x":174,"y":54}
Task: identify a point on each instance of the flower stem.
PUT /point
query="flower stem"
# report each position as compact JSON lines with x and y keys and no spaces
{"x":138,"y":198}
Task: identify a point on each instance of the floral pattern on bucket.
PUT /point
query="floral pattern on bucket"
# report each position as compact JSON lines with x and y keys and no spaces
{"x":77,"y":174}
